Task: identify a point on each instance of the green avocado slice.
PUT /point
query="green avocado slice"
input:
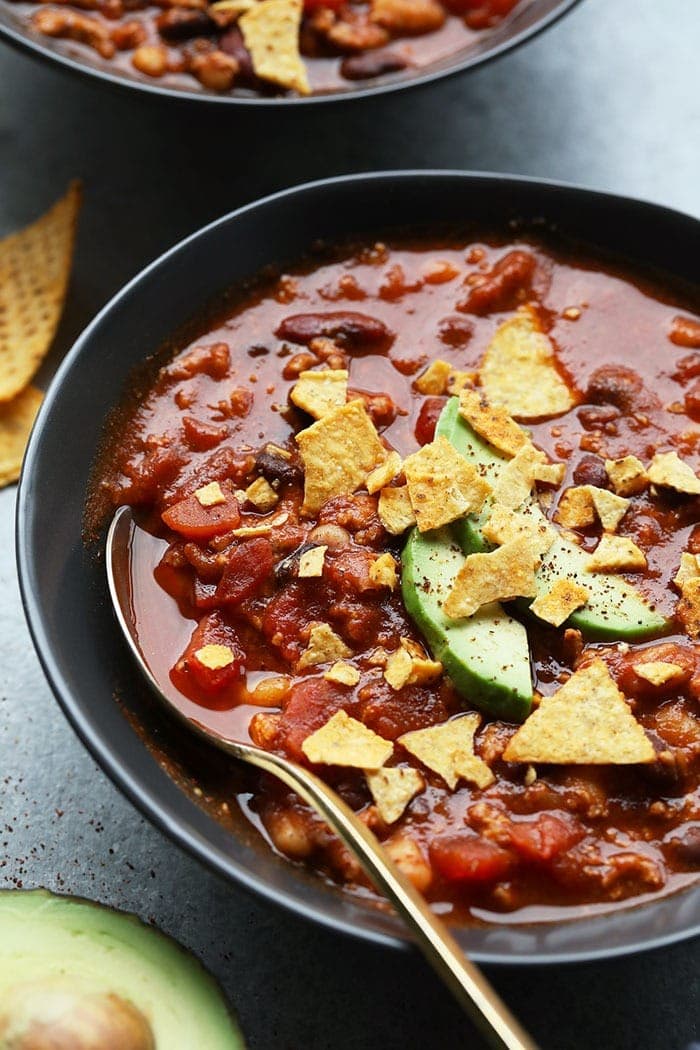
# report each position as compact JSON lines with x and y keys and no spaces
{"x":70,"y":969}
{"x":485,"y":655}
{"x":615,"y":610}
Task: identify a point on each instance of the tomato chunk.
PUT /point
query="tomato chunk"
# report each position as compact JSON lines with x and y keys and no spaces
{"x":427,"y":419}
{"x":545,"y":837}
{"x":191,"y":519}
{"x":309,"y":706}
{"x":211,"y":631}
{"x":468,"y":858}
{"x":248,"y":568}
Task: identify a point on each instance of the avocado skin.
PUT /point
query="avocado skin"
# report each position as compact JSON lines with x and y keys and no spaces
{"x":461,"y":646}
{"x":617,"y":611}
{"x":42,"y":934}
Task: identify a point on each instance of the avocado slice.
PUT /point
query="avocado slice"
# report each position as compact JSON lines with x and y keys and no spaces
{"x":615,"y":610}
{"x":485,"y":655}
{"x":74,"y":973}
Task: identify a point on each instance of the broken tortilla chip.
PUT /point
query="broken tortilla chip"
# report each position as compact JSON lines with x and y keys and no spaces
{"x":442,"y":485}
{"x":211,"y":495}
{"x":16,"y":421}
{"x":343,"y":741}
{"x":35,"y":266}
{"x":342,"y":673}
{"x":688,"y":608}
{"x":628,"y":475}
{"x":261,"y":494}
{"x":508,"y":572}
{"x":215,"y":657}
{"x":668,"y":470}
{"x":519,"y":369}
{"x":504,"y":525}
{"x":408,"y":665}
{"x":610,"y":508}
{"x":271,"y":34}
{"x":616,"y":554}
{"x":586,"y":722}
{"x":395,"y":510}
{"x":557,"y":604}
{"x":338,"y":451}
{"x":688,"y":569}
{"x":324,"y":646}
{"x":382,"y":571}
{"x":435,"y":378}
{"x":518,"y":476}
{"x":311,"y":562}
{"x":492,"y":422}
{"x":659,"y":672}
{"x":318,"y":393}
{"x":575,"y":509}
{"x":392,"y":788}
{"x":381,"y":476}
{"x":448,"y":750}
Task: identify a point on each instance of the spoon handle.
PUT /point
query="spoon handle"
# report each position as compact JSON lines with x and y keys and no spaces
{"x":464,"y":979}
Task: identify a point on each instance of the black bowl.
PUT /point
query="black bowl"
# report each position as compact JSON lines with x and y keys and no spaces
{"x":514,"y":30}
{"x":63,"y":584}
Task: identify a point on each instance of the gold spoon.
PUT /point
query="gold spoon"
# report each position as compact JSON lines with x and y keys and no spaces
{"x":464,"y":979}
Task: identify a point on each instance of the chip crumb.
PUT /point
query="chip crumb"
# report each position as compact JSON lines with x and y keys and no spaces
{"x":392,"y":788}
{"x":408,"y":665}
{"x":343,"y":741}
{"x":519,"y":369}
{"x":505,"y":525}
{"x":557,"y":604}
{"x":668,"y":470}
{"x":16,"y":421}
{"x":687,"y":570}
{"x":659,"y":672}
{"x":616,"y":554}
{"x":277,"y":450}
{"x":311,"y":562}
{"x":492,"y":422}
{"x":383,"y":474}
{"x":318,"y":393}
{"x":395,"y":510}
{"x":338,"y":452}
{"x":262,"y":495}
{"x":210,"y":495}
{"x":271,"y":34}
{"x":530,"y":776}
{"x":342,"y":673}
{"x":324,"y":646}
{"x":448,"y":749}
{"x":609,"y":507}
{"x":508,"y":572}
{"x":382,"y":571}
{"x":442,"y":485}
{"x":434,"y":380}
{"x":688,"y":608}
{"x":459,"y":379}
{"x":262,"y":528}
{"x":586,"y":722}
{"x":575,"y":509}
{"x":628,"y":475}
{"x":215,"y":657}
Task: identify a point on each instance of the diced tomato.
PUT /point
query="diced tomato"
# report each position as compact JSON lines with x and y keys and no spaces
{"x":427,"y":419}
{"x":211,"y":630}
{"x":287,"y":614}
{"x":468,"y":858}
{"x":201,"y":435}
{"x":192,"y":520}
{"x":249,"y":566}
{"x":309,"y":706}
{"x":545,"y":837}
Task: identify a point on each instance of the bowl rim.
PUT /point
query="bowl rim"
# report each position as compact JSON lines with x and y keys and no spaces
{"x":146,"y":802}
{"x":36,"y":49}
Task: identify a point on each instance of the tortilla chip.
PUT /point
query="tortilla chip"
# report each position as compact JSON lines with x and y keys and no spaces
{"x":458,"y":380}
{"x":557,"y":604}
{"x":408,"y":665}
{"x":550,"y":473}
{"x":610,"y":508}
{"x":505,"y":525}
{"x":508,"y":572}
{"x":586,"y":722}
{"x":210,"y":495}
{"x":382,"y":571}
{"x":215,"y":656}
{"x":689,"y":568}
{"x":262,"y":528}
{"x":338,"y":451}
{"x":261,"y":494}
{"x":448,"y":750}
{"x":659,"y":672}
{"x":434,"y":379}
{"x":324,"y":646}
{"x":395,"y":510}
{"x":271,"y":35}
{"x":35,"y":266}
{"x":318,"y":393}
{"x":343,"y":674}
{"x":517,"y":478}
{"x":16,"y":421}
{"x":442,"y":485}
{"x":616,"y":554}
{"x":343,"y":741}
{"x":688,"y":608}
{"x":384,"y":473}
{"x":392,"y":788}
{"x":492,"y":422}
{"x":311,"y":562}
{"x":575,"y":509}
{"x":519,"y":369}
{"x":667,"y":470}
{"x":628,"y":475}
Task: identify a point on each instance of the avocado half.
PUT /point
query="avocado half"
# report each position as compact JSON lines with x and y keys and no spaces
{"x":78,"y":975}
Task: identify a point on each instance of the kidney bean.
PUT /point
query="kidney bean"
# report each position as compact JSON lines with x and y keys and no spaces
{"x":686,"y":845}
{"x":371,"y":64}
{"x":354,"y":329}
{"x":590,"y":470}
{"x":231,"y":43}
{"x":687,"y":368}
{"x":619,"y":386}
{"x":297,"y":364}
{"x":685,"y":331}
{"x":455,"y":331}
{"x":500,"y":288}
{"x":277,"y":468}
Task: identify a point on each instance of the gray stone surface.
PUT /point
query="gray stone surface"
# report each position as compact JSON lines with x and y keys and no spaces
{"x":610,"y":98}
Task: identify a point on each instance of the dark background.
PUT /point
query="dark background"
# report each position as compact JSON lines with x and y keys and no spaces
{"x":610,"y":98}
